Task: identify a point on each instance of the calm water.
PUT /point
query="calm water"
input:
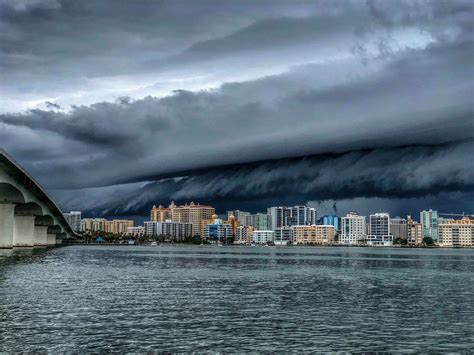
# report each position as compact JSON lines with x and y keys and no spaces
{"x":129,"y":298}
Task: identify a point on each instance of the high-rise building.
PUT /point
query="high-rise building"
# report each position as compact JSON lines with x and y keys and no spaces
{"x":217,"y":232}
{"x":353,"y":229}
{"x":414,"y":235}
{"x":315,"y":234}
{"x":331,"y":220}
{"x":191,"y":213}
{"x":429,"y":224}
{"x":160,"y":214}
{"x":93,"y":225}
{"x":169,"y":229}
{"x":259,"y":221}
{"x":136,"y":231}
{"x":279,"y":217}
{"x":456,"y":233}
{"x":118,"y":226}
{"x":302,"y":216}
{"x":398,"y":228}
{"x":380,"y":230}
{"x":263,"y":236}
{"x":243,"y":235}
{"x":240,"y":216}
{"x":74,"y":220}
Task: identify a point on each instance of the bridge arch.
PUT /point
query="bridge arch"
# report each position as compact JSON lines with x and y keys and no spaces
{"x":10,"y":194}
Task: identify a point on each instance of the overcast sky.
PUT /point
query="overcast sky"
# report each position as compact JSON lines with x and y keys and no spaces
{"x":116,"y":105}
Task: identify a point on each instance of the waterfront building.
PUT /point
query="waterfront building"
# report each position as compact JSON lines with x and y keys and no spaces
{"x":429,"y":224}
{"x":243,"y":235}
{"x":380,"y":230}
{"x":240,"y":216}
{"x":414,"y":232}
{"x":315,"y":234}
{"x":398,"y":228}
{"x":93,"y":225}
{"x":160,"y":213}
{"x":353,"y":229}
{"x":263,"y":236}
{"x":331,"y":220}
{"x":232,"y":221}
{"x":217,"y":231}
{"x":283,"y":236}
{"x":302,"y":216}
{"x":118,"y":226}
{"x":169,"y":229}
{"x":259,"y":221}
{"x":192,"y":213}
{"x":74,"y":220}
{"x":291,"y":216}
{"x":279,"y":217}
{"x":456,"y":233}
{"x":136,"y":231}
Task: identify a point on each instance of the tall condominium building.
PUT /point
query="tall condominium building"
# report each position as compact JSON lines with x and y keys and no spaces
{"x":243,"y":235}
{"x":263,"y":236}
{"x":240,"y":216}
{"x":279,"y":217}
{"x":398,"y":228}
{"x":302,"y":216}
{"x":259,"y":221}
{"x":380,"y":230}
{"x":93,"y":225}
{"x":160,"y":214}
{"x":331,"y":220}
{"x":429,"y":224}
{"x":217,"y":231}
{"x":291,"y":216}
{"x":315,"y":234}
{"x":283,"y":235}
{"x":118,"y":226}
{"x":191,"y":213}
{"x":74,"y":220}
{"x":414,"y":235}
{"x":456,"y":233}
{"x":353,"y":229}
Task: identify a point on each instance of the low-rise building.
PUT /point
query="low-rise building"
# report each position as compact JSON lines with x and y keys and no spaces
{"x":217,"y":232}
{"x":456,"y":233}
{"x":136,"y":231}
{"x":283,"y":236}
{"x":316,"y":234}
{"x":263,"y":236}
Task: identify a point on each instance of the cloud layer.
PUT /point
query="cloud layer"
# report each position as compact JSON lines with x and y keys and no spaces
{"x":274,"y":102}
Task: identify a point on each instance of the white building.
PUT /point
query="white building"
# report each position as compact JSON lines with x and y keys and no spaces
{"x":283,"y":236}
{"x":291,"y":216}
{"x":263,"y":236}
{"x":380,"y":230}
{"x":169,"y":229}
{"x":74,"y":220}
{"x":136,"y":231}
{"x":353,"y":229}
{"x":217,"y":231}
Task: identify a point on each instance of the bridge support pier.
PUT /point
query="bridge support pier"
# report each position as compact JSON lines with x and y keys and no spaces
{"x":41,"y":235}
{"x":7,"y":215}
{"x":24,"y":231}
{"x":51,"y":239}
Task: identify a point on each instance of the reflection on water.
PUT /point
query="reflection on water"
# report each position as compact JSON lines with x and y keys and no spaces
{"x":129,"y":298}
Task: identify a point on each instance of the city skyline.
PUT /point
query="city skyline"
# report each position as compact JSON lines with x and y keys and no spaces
{"x":325,"y":103}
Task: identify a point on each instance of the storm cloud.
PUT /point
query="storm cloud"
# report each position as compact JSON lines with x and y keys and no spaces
{"x":239,"y":106}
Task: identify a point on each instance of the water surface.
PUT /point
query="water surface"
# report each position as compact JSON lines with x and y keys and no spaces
{"x":133,"y":298}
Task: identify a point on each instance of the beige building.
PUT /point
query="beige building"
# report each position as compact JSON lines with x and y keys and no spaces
{"x":160,"y":214}
{"x":456,"y":233}
{"x":93,"y":225}
{"x":192,"y":213}
{"x":315,"y":234}
{"x":118,"y":226}
{"x":243,"y":235}
{"x":414,"y":232}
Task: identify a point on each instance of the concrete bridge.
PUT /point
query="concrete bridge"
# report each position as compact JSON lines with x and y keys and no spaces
{"x":28,"y":216}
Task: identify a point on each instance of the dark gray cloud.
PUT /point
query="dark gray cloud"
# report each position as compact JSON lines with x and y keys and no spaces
{"x":277,"y":91}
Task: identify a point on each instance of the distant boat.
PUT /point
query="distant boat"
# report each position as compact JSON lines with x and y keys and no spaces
{"x":131,"y":242}
{"x":153,"y":243}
